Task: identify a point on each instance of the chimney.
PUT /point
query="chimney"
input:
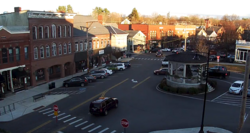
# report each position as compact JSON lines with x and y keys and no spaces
{"x":17,"y":9}
{"x":207,"y":23}
{"x":100,"y":20}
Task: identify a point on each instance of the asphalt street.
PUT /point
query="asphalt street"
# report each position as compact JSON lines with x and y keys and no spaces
{"x":140,"y":103}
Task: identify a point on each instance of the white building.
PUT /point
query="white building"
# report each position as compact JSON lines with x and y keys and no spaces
{"x":126,"y":21}
{"x":241,"y":50}
{"x":136,"y":40}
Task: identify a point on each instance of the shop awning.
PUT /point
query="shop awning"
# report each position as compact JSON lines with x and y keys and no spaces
{"x":16,"y":73}
{"x":1,"y":78}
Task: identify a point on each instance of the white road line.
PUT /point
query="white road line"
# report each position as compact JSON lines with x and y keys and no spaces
{"x":113,"y":131}
{"x":245,"y":117}
{"x":155,"y":59}
{"x":88,"y":126}
{"x":44,"y":110}
{"x":48,"y":112}
{"x":75,"y":121}
{"x":151,"y":59}
{"x":104,"y":130}
{"x":94,"y":129}
{"x":59,"y":115}
{"x":81,"y":123}
{"x":53,"y":113}
{"x":69,"y":119}
{"x":59,"y":132}
{"x":64,"y":117}
{"x":218,"y":96}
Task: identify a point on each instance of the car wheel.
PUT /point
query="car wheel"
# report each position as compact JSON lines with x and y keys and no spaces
{"x":102,"y":77}
{"x":120,"y":69}
{"x":157,"y":73}
{"x":106,"y":112}
{"x":116,"y":105}
{"x":82,"y":84}
{"x":66,"y":85}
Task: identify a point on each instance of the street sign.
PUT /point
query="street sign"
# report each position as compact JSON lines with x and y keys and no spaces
{"x":124,"y":123}
{"x":55,"y":108}
{"x":55,"y":113}
{"x":218,"y":58}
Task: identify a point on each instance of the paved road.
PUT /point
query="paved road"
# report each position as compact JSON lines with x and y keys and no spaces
{"x":140,"y":103}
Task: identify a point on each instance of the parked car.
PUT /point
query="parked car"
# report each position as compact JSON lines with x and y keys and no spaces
{"x":236,"y":87}
{"x":166,"y":50}
{"x":164,"y":62}
{"x":162,"y":71}
{"x":159,"y":54}
{"x":174,"y":50}
{"x":75,"y":81}
{"x":126,"y":63}
{"x":102,"y":105}
{"x":99,"y":73}
{"x":231,"y":58}
{"x":212,"y":57}
{"x":107,"y":70}
{"x":223,"y":55}
{"x":89,"y":77}
{"x":120,"y":66}
{"x":112,"y":67}
{"x":218,"y":72}
{"x":154,"y":50}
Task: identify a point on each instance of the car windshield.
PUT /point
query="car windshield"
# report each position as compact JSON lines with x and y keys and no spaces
{"x":95,"y":105}
{"x":236,"y":85}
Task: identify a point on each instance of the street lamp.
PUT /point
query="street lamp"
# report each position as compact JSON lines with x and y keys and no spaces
{"x":88,"y":27}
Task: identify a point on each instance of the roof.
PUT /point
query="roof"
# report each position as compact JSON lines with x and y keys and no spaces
{"x":101,"y":99}
{"x":114,"y":30}
{"x":209,"y":32}
{"x":111,"y":24}
{"x":213,"y":28}
{"x":131,"y":33}
{"x":95,"y":29}
{"x":239,"y":81}
{"x":16,"y":29}
{"x":187,"y":57}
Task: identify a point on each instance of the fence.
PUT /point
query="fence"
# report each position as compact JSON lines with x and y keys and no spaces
{"x":7,"y":108}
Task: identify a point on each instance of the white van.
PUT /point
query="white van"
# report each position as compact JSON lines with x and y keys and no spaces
{"x":120,"y":66}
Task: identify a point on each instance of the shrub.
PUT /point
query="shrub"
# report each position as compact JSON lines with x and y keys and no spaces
{"x":192,"y":91}
{"x":173,"y":90}
{"x":182,"y":90}
{"x":165,"y":88}
{"x":161,"y":85}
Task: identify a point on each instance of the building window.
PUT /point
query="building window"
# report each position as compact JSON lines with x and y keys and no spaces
{"x":35,"y":53}
{"x":26,"y":49}
{"x":17,"y":54}
{"x":40,"y":32}
{"x":102,"y":44}
{"x":162,"y":34}
{"x":11,"y":55}
{"x":105,"y":43}
{"x":69,"y":48}
{"x":65,"y":48}
{"x":42,"y":52}
{"x":34,"y":32}
{"x":65,"y":31}
{"x":47,"y":51}
{"x":69,"y":31}
{"x":97,"y":44}
{"x":4,"y":55}
{"x":59,"y":28}
{"x":109,"y":43}
{"x":76,"y":46}
{"x":46,"y":31}
{"x":60,"y":49}
{"x":54,"y":50}
{"x":53,"y":30}
{"x":90,"y":44}
{"x":153,"y":34}
{"x":94,"y":45}
{"x":85,"y":45}
{"x":81,"y":46}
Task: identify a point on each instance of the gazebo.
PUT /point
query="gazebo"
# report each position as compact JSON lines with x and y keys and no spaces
{"x":185,"y":69}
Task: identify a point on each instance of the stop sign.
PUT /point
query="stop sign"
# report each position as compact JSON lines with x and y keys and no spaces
{"x":55,"y":108}
{"x":124,"y":123}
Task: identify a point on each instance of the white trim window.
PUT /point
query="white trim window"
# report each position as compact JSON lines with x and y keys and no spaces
{"x":46,"y":32}
{"x":69,"y":48}
{"x":65,"y":49}
{"x":53,"y":49}
{"x":59,"y":28}
{"x":60,"y":49}
{"x":40,"y":29}
{"x":69,"y":31}
{"x":81,"y":46}
{"x":97,"y":45}
{"x":90,"y":44}
{"x":76,"y":46}
{"x":102,"y":44}
{"x":85,"y":45}
{"x":94,"y":45}
{"x":47,"y":51}
{"x":53,"y":30}
{"x":65,"y":31}
{"x":42,"y":52}
{"x":105,"y":44}
{"x":34,"y":32}
{"x":35,"y":53}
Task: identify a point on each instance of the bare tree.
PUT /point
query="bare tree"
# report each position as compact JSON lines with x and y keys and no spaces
{"x":201,"y":45}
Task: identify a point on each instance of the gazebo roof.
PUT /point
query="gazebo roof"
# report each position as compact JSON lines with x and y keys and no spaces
{"x":187,"y":57}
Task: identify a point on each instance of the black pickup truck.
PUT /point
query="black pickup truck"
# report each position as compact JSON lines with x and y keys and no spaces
{"x":218,"y":72}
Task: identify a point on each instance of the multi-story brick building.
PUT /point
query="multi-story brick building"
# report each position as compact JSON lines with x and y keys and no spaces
{"x":51,"y":48}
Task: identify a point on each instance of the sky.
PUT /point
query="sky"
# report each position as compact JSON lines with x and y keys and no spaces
{"x":208,"y":8}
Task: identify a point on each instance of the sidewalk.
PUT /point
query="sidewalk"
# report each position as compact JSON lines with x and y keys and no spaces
{"x":194,"y":130}
{"x":22,"y":103}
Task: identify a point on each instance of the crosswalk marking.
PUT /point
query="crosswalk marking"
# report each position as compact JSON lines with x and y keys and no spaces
{"x":75,"y":121}
{"x":88,"y":126}
{"x":53,"y":113}
{"x":149,"y":59}
{"x":245,"y":117}
{"x":69,"y":119}
{"x":59,"y":115}
{"x":48,"y":112}
{"x":94,"y":129}
{"x":81,"y":124}
{"x":44,"y":110}
{"x":64,"y":117}
{"x":104,"y":130}
{"x":113,"y":131}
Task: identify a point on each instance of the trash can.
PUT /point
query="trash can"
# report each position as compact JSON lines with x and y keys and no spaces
{"x":50,"y":86}
{"x":53,"y":84}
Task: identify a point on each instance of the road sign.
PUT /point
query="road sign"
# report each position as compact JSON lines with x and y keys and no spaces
{"x":55,"y":113}
{"x":218,"y":58}
{"x":55,"y":108}
{"x":124,"y":123}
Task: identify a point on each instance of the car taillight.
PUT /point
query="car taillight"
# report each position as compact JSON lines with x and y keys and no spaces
{"x":85,"y":80}
{"x":226,"y":74}
{"x":100,"y":110}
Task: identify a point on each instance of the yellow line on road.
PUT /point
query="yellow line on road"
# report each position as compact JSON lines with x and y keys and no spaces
{"x":39,"y":126}
{"x":102,"y":93}
{"x":61,"y":129}
{"x":141,"y":82}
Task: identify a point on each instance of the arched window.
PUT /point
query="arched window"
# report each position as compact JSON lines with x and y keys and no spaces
{"x":69,"y":31}
{"x":76,"y":47}
{"x":65,"y":49}
{"x":69,"y":48}
{"x":40,"y":32}
{"x":17,"y":54}
{"x":34,"y":32}
{"x":60,"y":49}
{"x":65,"y":31}
{"x":47,"y":51}
{"x":102,"y":44}
{"x":59,"y":28}
{"x":105,"y":43}
{"x":11,"y":54}
{"x":46,"y":32}
{"x":4,"y":55}
{"x":53,"y":31}
{"x":35,"y":53}
{"x":53,"y":49}
{"x":85,"y":45}
{"x":90,"y":44}
{"x":97,"y":44}
{"x":94,"y":45}
{"x":81,"y":46}
{"x":42,"y":52}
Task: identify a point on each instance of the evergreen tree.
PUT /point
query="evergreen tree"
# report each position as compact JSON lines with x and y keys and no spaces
{"x":69,"y":9}
{"x":134,"y":16}
{"x":61,"y":9}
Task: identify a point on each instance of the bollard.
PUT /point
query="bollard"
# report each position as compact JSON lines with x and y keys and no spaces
{"x":4,"y":109}
{"x":9,"y":108}
{"x":14,"y":106}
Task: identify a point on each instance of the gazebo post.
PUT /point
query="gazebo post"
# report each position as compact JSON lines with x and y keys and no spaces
{"x":171,"y":69}
{"x":169,"y":63}
{"x":184,"y":72}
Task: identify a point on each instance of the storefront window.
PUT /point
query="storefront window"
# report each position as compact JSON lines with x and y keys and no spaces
{"x":40,"y":75}
{"x":11,"y":56}
{"x":4,"y":55}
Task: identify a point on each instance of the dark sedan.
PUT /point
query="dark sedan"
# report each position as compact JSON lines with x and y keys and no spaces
{"x":89,"y":77}
{"x":75,"y":81}
{"x":162,"y":71}
{"x":159,"y":54}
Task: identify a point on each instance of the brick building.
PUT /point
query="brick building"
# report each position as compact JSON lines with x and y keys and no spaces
{"x":51,"y":48}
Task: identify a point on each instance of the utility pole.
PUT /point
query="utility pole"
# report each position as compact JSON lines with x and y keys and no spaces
{"x":244,"y":93}
{"x":185,"y":47}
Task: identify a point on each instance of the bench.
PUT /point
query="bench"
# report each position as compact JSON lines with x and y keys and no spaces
{"x":36,"y":97}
